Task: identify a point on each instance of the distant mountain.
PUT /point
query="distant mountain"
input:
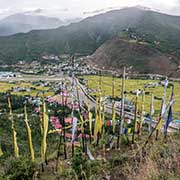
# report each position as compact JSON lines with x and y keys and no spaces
{"x":137,"y":56}
{"x":100,"y":11}
{"x":160,"y":31}
{"x":22,"y":23}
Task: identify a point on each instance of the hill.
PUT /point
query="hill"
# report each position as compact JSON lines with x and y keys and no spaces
{"x":159,"y":30}
{"x":24,"y":23}
{"x":139,"y":56}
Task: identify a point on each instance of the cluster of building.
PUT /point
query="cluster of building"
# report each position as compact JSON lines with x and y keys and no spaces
{"x":50,"y":57}
{"x":77,"y":69}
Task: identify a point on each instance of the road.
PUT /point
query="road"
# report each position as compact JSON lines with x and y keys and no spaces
{"x":84,"y":96}
{"x":32,"y":78}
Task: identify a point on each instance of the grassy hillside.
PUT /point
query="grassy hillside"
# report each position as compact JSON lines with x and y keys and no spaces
{"x":158,"y":160}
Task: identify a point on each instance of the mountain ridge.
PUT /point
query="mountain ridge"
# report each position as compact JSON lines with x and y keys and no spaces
{"x":159,"y":30}
{"x":22,"y":23}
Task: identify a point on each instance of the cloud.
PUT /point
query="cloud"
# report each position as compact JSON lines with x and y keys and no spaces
{"x":77,"y":7}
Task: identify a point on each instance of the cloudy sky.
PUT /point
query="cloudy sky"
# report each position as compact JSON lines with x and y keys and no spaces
{"x":77,"y":7}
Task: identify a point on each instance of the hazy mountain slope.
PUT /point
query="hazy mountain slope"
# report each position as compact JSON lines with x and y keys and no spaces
{"x":23,"y":23}
{"x":116,"y":53}
{"x":161,"y":27}
{"x":86,"y":36}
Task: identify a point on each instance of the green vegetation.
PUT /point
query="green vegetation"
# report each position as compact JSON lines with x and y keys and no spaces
{"x":20,"y":169}
{"x":159,"y":160}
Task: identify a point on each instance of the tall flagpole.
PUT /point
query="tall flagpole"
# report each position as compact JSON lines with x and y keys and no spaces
{"x":28,"y":129}
{"x":45,"y":131}
{"x":159,"y":122}
{"x":89,"y":117}
{"x":162,"y":111}
{"x":151,"y":112}
{"x":135,"y":119}
{"x":142,"y":112}
{"x":169,"y":118}
{"x":64,"y":132}
{"x":16,"y":148}
{"x":122,"y":108}
{"x":82,"y":120}
{"x":72,"y":91}
{"x":99,"y":109}
{"x":113,"y":107}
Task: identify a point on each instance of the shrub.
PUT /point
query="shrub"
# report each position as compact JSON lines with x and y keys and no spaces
{"x":79,"y":163}
{"x":19,"y":169}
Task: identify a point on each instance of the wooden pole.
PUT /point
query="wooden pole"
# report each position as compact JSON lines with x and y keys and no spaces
{"x":135,"y":119}
{"x":83,"y":140}
{"x":64,"y":132}
{"x":161,"y":111}
{"x":58,"y":152}
{"x":113,"y":106}
{"x":121,"y":122}
{"x":72,"y":113}
{"x":171,"y":104}
{"x":142,"y":112}
{"x":90,"y":122}
{"x":151,"y":112}
{"x":159,"y":121}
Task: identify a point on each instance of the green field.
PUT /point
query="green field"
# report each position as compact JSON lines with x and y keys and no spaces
{"x":132,"y":84}
{"x":7,"y":86}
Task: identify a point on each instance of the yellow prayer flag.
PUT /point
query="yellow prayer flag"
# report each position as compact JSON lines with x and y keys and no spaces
{"x":160,"y":123}
{"x":100,"y":123}
{"x":90,"y":122}
{"x":1,"y":152}
{"x":96,"y":127}
{"x":82,"y":123}
{"x":129,"y":130}
{"x":31,"y":150}
{"x":45,"y":121}
{"x":16,"y":149}
{"x":103,"y":119}
{"x":135,"y":114}
{"x":114,"y":119}
{"x":40,"y":118}
{"x":142,"y":110}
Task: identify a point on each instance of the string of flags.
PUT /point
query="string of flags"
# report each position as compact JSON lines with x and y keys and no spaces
{"x":95,"y":122}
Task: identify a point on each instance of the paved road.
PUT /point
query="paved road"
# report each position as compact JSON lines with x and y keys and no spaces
{"x":84,"y":96}
{"x":35,"y":78}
